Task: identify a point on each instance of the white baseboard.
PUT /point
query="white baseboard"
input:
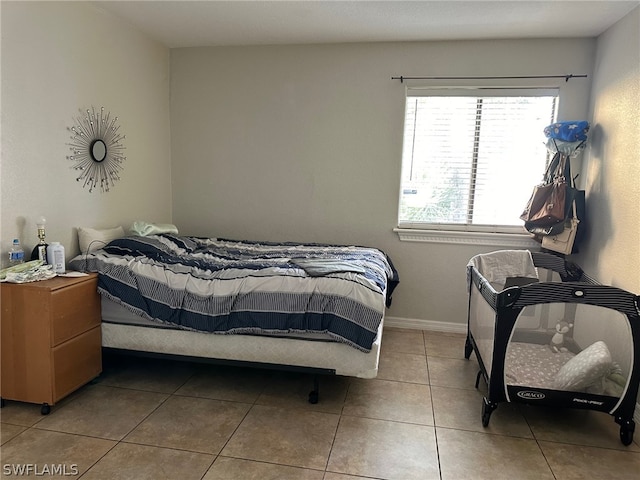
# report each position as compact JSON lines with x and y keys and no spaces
{"x":429,"y":325}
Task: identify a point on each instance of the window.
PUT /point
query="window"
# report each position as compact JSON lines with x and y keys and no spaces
{"x":472,"y":156}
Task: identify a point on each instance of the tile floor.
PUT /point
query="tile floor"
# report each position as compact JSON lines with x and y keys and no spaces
{"x":420,"y":419}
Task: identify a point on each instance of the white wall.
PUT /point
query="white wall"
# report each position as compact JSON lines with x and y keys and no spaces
{"x":59,"y":57}
{"x":612,"y":251}
{"x":304,"y":143}
{"x":294,"y":143}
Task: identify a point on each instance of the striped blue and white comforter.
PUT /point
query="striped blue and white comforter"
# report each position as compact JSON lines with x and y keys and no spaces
{"x":225,"y":286}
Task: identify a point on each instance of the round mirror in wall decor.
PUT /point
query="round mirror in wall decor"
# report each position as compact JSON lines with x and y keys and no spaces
{"x":97,"y":149}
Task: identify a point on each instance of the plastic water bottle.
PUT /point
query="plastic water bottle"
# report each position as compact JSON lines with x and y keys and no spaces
{"x":16,"y":254}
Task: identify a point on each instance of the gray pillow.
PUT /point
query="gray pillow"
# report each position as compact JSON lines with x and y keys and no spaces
{"x":586,"y":368}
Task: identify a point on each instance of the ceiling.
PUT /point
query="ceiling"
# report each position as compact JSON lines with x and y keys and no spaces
{"x":188,"y":23}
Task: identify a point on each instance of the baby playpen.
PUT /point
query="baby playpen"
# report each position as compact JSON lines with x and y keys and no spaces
{"x":545,"y":334}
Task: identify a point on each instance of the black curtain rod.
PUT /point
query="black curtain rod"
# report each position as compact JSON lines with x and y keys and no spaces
{"x":566,"y":77}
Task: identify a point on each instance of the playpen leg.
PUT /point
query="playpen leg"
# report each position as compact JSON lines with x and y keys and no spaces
{"x":478,"y":378}
{"x":627,"y":427}
{"x":468,"y":348}
{"x":487,"y":408}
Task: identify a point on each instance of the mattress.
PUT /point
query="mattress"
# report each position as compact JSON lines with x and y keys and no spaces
{"x":122,"y":329}
{"x":242,"y":287}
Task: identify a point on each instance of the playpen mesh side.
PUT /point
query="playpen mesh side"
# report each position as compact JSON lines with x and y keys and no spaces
{"x":600,"y":335}
{"x":594,"y":354}
{"x":482,"y":323}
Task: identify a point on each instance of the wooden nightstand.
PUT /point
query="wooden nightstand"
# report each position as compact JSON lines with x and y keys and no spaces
{"x":50,"y":338}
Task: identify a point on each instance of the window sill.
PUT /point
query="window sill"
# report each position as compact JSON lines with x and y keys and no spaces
{"x":514,"y":240}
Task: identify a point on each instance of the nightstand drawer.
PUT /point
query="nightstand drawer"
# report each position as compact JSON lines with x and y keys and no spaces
{"x":74,"y":310}
{"x":50,"y":338}
{"x":76,"y":361}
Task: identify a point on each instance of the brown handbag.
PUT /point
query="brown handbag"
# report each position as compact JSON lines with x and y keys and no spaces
{"x":546,"y":206}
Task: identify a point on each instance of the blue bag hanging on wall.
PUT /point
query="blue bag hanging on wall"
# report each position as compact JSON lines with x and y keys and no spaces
{"x":574,"y":131}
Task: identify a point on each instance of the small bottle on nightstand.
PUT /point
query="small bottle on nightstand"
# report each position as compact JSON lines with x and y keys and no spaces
{"x":40,"y":250}
{"x":16,"y":254}
{"x":55,"y":254}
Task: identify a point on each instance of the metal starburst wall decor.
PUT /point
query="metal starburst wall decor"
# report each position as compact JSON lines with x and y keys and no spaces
{"x":97,"y":149}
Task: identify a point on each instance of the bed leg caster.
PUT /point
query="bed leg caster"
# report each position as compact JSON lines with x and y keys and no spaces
{"x":315,"y":393}
{"x":627,"y":427}
{"x":45,"y":409}
{"x":487,"y":409}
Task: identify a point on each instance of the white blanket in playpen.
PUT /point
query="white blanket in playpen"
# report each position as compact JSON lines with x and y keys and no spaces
{"x":536,"y":366}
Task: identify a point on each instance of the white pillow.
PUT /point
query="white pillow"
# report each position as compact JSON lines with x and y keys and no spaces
{"x":91,"y":239}
{"x":585,"y":369}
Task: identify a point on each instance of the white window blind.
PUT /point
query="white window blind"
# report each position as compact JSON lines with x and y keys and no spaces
{"x":472,"y":156}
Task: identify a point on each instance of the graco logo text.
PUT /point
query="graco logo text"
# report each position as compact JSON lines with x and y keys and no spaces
{"x":531,"y":395}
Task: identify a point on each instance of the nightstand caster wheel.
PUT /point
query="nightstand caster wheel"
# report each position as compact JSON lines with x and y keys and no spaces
{"x":2,"y":403}
{"x":313,"y":397}
{"x":46,"y":409}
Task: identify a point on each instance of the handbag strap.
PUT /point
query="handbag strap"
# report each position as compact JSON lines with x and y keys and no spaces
{"x":552,"y":168}
{"x":559,"y":175}
{"x":559,"y":168}
{"x":575,"y":213}
{"x":571,"y":181}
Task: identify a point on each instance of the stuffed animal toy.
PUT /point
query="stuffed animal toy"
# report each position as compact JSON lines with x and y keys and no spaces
{"x":557,"y":341}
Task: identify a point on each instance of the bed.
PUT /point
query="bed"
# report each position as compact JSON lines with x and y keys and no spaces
{"x":546,"y":334}
{"x":311,"y":307}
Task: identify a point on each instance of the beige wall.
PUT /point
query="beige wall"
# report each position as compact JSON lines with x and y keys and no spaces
{"x":286,"y":143}
{"x":612,"y":253}
{"x":58,"y":57}
{"x":612,"y":167}
{"x":304,"y":143}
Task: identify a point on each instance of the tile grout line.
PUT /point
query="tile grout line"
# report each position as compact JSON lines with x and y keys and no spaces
{"x":433,"y":410}
{"x":121,"y":440}
{"x":333,"y":441}
{"x":546,"y":460}
{"x":253,"y":405}
{"x":335,"y":434}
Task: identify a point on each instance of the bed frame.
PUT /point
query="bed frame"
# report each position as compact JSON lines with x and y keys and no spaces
{"x":494,"y":320}
{"x":126,"y":333}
